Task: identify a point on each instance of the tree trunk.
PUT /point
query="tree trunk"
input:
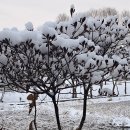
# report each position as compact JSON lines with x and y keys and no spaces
{"x":114,"y":84}
{"x":35,"y":115}
{"x":125,"y":88}
{"x":56,"y":113}
{"x":84,"y":106}
{"x":2,"y":96}
{"x":101,"y":85}
{"x":74,"y":94}
{"x":105,"y":82}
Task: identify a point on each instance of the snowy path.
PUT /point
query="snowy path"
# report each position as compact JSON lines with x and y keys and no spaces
{"x":99,"y":116}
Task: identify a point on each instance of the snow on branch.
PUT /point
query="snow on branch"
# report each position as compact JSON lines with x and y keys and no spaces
{"x":83,"y":48}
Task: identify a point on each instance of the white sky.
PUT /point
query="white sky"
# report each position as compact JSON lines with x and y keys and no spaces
{"x":18,"y":12}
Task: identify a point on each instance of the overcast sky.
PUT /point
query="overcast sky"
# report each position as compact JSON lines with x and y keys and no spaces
{"x":18,"y":12}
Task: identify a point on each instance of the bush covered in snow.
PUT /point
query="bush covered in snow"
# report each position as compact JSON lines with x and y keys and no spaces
{"x":81,"y":51}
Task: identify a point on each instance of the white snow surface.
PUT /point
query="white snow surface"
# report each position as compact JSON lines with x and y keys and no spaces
{"x":100,"y":115}
{"x":107,"y":113}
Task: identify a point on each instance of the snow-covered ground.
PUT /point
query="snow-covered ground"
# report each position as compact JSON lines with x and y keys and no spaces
{"x":14,"y":97}
{"x":107,"y":116}
{"x":107,"y":113}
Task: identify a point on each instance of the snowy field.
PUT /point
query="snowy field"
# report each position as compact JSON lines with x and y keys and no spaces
{"x":106,"y":113}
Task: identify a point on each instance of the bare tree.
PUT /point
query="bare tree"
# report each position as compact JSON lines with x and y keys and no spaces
{"x":104,"y":12}
{"x":125,"y":13}
{"x":62,"y":17}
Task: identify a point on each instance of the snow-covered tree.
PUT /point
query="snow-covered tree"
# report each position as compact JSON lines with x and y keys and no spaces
{"x":79,"y":52}
{"x":36,"y":61}
{"x":103,"y":39}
